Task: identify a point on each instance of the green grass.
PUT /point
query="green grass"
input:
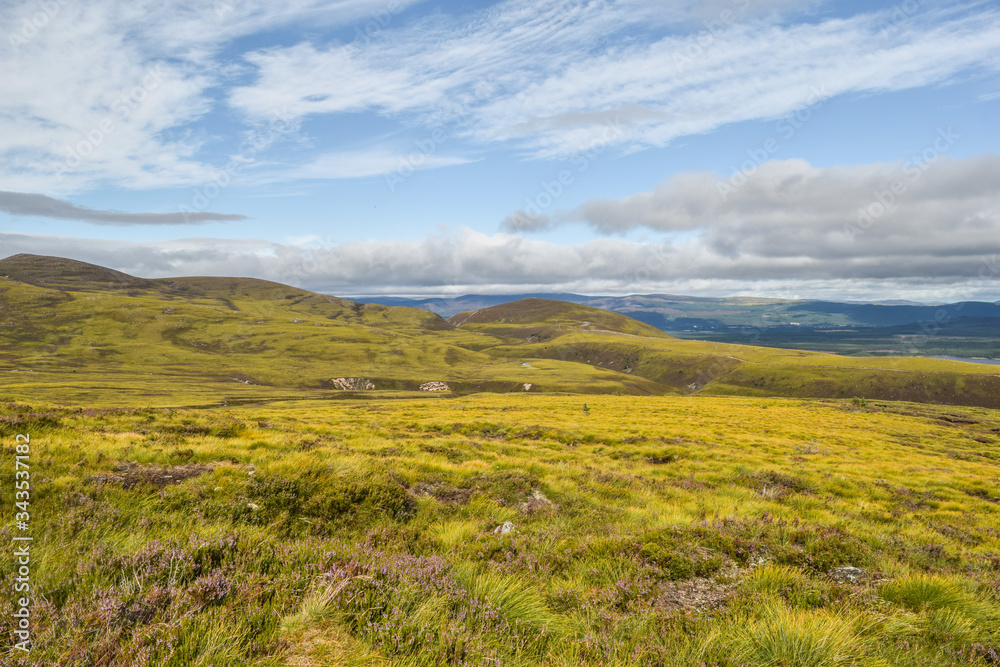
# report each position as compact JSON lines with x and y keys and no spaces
{"x":663,"y":530}
{"x":76,"y":335}
{"x":201,"y":495}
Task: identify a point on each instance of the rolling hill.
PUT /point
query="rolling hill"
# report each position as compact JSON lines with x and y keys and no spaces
{"x":846,"y":328}
{"x":199,"y":497}
{"x":540,"y":319}
{"x":76,"y":332}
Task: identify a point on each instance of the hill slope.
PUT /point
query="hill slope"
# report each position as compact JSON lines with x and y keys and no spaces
{"x":544,"y":318}
{"x":233,"y":338}
{"x":66,"y":274}
{"x":71,"y":331}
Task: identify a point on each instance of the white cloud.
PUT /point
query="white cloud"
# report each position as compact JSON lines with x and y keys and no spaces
{"x":374,"y":162}
{"x":107,"y":91}
{"x":115,"y":92}
{"x":559,"y":72}
{"x":881,"y":220}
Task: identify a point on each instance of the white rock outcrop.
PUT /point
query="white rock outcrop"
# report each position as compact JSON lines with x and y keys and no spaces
{"x":434,"y":386}
{"x":353,"y":384}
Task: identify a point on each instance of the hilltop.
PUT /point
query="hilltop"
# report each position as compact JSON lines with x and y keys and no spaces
{"x":66,"y":274}
{"x":542,"y":319}
{"x":71,"y":331}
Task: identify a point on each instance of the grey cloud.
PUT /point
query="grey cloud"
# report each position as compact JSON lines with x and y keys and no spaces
{"x":894,"y":214}
{"x":523,"y":221}
{"x":42,"y":206}
{"x":610,"y":118}
{"x":469,"y":261}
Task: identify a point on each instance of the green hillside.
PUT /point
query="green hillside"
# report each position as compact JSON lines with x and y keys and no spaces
{"x":228,"y":471}
{"x":192,"y":338}
{"x":542,"y":319}
{"x":71,"y":331}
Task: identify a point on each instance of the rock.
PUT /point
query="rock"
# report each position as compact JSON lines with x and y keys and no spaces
{"x":537,"y":503}
{"x":434,"y":386}
{"x":353,"y":384}
{"x":848,"y":574}
{"x":506,"y":529}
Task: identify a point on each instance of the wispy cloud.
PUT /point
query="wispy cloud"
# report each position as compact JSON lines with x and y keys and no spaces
{"x":123,"y":93}
{"x":113,"y":92}
{"x":560,"y":71}
{"x":365,"y":163}
{"x":42,"y":206}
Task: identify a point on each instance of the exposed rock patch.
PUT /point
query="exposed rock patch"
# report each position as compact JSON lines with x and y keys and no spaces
{"x":505,"y":529}
{"x":130,"y":473}
{"x":697,"y":594}
{"x":353,"y":384}
{"x":434,"y":386}
{"x":848,"y":574}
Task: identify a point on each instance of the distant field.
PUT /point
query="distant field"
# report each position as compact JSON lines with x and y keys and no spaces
{"x":964,"y":329}
{"x":643,"y":531}
{"x":981,"y":341}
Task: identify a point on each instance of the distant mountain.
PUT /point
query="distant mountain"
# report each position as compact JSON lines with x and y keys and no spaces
{"x":448,"y":306}
{"x":673,"y":313}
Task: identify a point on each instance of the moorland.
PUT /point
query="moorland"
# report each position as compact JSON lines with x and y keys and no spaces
{"x":229,"y":471}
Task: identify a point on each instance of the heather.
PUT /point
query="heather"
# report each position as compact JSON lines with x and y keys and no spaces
{"x":640,"y":530}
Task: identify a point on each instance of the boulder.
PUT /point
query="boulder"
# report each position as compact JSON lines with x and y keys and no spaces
{"x":848,"y":574}
{"x":505,"y":529}
{"x":434,"y":386}
{"x":353,"y":384}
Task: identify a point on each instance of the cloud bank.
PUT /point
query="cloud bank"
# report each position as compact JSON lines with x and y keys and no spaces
{"x":467,"y":261}
{"x":885,"y":220}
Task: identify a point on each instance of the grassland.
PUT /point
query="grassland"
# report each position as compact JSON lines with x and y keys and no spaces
{"x":588,"y":491}
{"x":72,"y":332}
{"x":646,"y":530}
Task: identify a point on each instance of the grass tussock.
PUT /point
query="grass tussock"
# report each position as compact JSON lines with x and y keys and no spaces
{"x":783,"y":636}
{"x":165,"y":537}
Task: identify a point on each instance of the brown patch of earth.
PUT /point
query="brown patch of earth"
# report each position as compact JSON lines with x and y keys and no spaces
{"x":130,"y":473}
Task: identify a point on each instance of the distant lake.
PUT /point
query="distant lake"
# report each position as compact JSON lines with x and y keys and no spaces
{"x":992,"y":362}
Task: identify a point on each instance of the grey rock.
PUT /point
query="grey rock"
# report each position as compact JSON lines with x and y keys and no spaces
{"x":848,"y":574}
{"x":434,"y":386}
{"x":505,"y":529}
{"x":353,"y":384}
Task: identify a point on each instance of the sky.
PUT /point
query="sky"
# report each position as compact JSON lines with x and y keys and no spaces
{"x":796,"y":149}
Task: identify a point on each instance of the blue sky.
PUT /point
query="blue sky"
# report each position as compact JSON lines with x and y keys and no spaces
{"x":761,"y":147}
